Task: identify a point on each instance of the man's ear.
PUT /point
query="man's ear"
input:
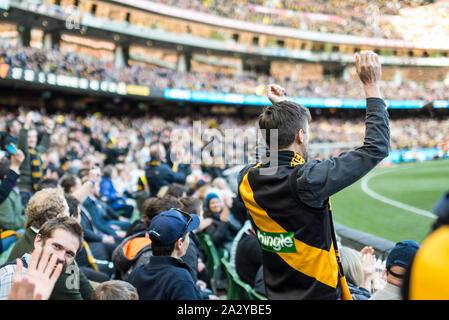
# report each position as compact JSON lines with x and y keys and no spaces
{"x":300,"y":136}
{"x":178,"y":244}
{"x":38,"y":241}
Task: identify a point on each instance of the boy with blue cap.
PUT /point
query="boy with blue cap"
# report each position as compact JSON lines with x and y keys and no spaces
{"x":166,"y":276}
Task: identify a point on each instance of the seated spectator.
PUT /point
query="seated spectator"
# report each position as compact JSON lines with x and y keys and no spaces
{"x":107,"y":191}
{"x":47,"y":183}
{"x":158,"y":173}
{"x":11,"y":135}
{"x":166,"y":277}
{"x":11,"y":209}
{"x":44,"y":205}
{"x":221,"y":230}
{"x":115,"y":290}
{"x":59,"y":239}
{"x":353,"y":270}
{"x":135,"y":249}
{"x":104,"y":218}
{"x":398,"y":260}
{"x":94,"y":265}
{"x":31,"y":171}
{"x":194,"y":256}
{"x":176,"y":190}
{"x":37,"y":283}
{"x":248,"y":258}
{"x":101,"y":245}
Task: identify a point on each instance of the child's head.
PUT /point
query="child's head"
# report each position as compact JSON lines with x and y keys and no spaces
{"x":115,"y":290}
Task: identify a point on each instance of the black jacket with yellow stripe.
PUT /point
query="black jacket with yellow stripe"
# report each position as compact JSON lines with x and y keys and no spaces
{"x":288,"y":203}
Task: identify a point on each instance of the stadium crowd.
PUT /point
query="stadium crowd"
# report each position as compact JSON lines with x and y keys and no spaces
{"x":86,"y":67}
{"x":371,"y":18}
{"x":116,"y":175}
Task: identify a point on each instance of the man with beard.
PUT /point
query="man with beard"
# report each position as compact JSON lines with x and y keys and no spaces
{"x":287,"y":197}
{"x":58,"y":240}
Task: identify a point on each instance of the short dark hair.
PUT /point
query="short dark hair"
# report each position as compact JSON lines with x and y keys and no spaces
{"x":191,"y":205}
{"x":47,"y":183}
{"x":287,"y":117}
{"x":176,"y":190}
{"x":83,"y":173}
{"x":67,"y":182}
{"x":73,"y":204}
{"x":162,"y":250}
{"x":153,"y":206}
{"x":67,"y":223}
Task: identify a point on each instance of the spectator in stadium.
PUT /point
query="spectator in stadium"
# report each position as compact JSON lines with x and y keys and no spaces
{"x":426,"y":277}
{"x":158,"y":173}
{"x":11,"y":209}
{"x":177,"y":190}
{"x":104,"y":218}
{"x":44,"y":205}
{"x":288,"y":172}
{"x":248,"y":258}
{"x":223,"y":228}
{"x":116,"y":201}
{"x":59,"y":239}
{"x":354,"y":272}
{"x":31,"y":170}
{"x":94,"y":265}
{"x":194,"y":256}
{"x":11,"y":135}
{"x":38,"y":282}
{"x":398,"y":260}
{"x":166,"y":276}
{"x":115,"y":290}
{"x":114,"y":152}
{"x":135,"y":244}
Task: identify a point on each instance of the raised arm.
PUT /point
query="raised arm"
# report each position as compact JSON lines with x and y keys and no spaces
{"x":318,"y":180}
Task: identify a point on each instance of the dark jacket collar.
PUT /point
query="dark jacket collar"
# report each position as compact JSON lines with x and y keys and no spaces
{"x":163,"y":261}
{"x":289,"y":158}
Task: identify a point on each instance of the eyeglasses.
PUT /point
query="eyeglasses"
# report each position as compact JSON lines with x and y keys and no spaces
{"x":187,"y":216}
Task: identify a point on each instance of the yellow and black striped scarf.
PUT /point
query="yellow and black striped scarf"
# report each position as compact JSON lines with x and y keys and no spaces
{"x":37,"y":168}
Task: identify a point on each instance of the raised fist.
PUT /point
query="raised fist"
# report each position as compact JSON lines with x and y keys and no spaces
{"x":275,"y":93}
{"x":368,"y":67}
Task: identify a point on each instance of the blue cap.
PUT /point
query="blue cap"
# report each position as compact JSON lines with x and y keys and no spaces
{"x":169,"y":226}
{"x":209,"y":197}
{"x":402,"y":254}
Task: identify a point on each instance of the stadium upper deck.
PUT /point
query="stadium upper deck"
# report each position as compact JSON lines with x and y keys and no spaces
{"x":176,"y":50}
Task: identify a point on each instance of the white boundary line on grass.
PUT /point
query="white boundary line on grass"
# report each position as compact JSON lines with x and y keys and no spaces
{"x":389,"y":201}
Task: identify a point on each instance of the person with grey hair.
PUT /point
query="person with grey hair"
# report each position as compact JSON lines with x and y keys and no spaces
{"x":353,"y":269}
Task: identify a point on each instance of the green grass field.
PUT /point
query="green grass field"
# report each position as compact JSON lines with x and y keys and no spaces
{"x":409,"y":192}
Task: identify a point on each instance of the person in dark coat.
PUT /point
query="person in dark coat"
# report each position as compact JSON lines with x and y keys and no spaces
{"x":223,"y":228}
{"x":159,"y":173}
{"x":166,"y":276}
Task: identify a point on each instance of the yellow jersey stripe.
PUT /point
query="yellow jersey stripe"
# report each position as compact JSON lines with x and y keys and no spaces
{"x":311,"y":261}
